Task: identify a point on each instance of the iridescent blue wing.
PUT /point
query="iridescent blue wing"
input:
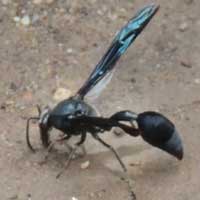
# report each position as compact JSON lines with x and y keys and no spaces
{"x":119,"y":45}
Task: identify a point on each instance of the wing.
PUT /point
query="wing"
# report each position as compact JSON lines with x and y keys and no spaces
{"x":121,"y":42}
{"x":100,"y":86}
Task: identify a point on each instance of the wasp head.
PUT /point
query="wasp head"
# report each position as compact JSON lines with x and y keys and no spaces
{"x":44,"y":125}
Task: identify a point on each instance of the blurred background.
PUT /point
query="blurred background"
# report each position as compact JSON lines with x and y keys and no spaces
{"x":47,"y":50}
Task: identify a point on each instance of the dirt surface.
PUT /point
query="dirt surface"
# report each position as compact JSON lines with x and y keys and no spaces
{"x":50,"y":44}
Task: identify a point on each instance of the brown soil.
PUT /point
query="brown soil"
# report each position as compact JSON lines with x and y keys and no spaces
{"x":58,"y":49}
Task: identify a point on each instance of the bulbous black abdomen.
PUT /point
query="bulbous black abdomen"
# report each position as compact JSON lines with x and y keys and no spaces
{"x":160,"y":132}
{"x":155,"y":127}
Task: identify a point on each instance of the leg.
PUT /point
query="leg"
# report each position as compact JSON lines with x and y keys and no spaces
{"x":27,"y":133}
{"x":68,"y":162}
{"x":83,"y":149}
{"x":82,"y":140}
{"x":113,"y":150}
{"x":82,"y":153}
{"x":50,"y":147}
{"x":65,"y":137}
{"x":80,"y":144}
{"x":127,"y":179}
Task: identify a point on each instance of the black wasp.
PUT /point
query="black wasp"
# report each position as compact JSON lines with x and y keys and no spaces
{"x":74,"y":116}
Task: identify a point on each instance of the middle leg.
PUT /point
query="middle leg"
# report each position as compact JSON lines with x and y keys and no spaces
{"x":51,"y":145}
{"x":71,"y":155}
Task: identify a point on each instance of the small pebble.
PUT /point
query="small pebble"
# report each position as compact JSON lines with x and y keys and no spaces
{"x":16,"y":19}
{"x":69,"y":50}
{"x":9,"y":102}
{"x":186,"y":64}
{"x":183,"y":27}
{"x":92,"y":195}
{"x":85,"y":164}
{"x":37,"y":2}
{"x":158,"y":65}
{"x":61,"y":94}
{"x":100,"y":12}
{"x":5,"y":2}
{"x":29,"y":197}
{"x":26,"y":20}
{"x":197,"y":81}
{"x":49,"y":1}
{"x":118,"y":132}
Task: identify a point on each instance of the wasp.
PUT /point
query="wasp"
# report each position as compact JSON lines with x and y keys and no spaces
{"x":75,"y":117}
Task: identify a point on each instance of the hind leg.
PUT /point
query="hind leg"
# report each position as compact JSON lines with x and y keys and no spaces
{"x":126,"y":178}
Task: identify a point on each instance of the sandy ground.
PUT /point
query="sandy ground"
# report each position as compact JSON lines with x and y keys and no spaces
{"x":47,"y":45}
